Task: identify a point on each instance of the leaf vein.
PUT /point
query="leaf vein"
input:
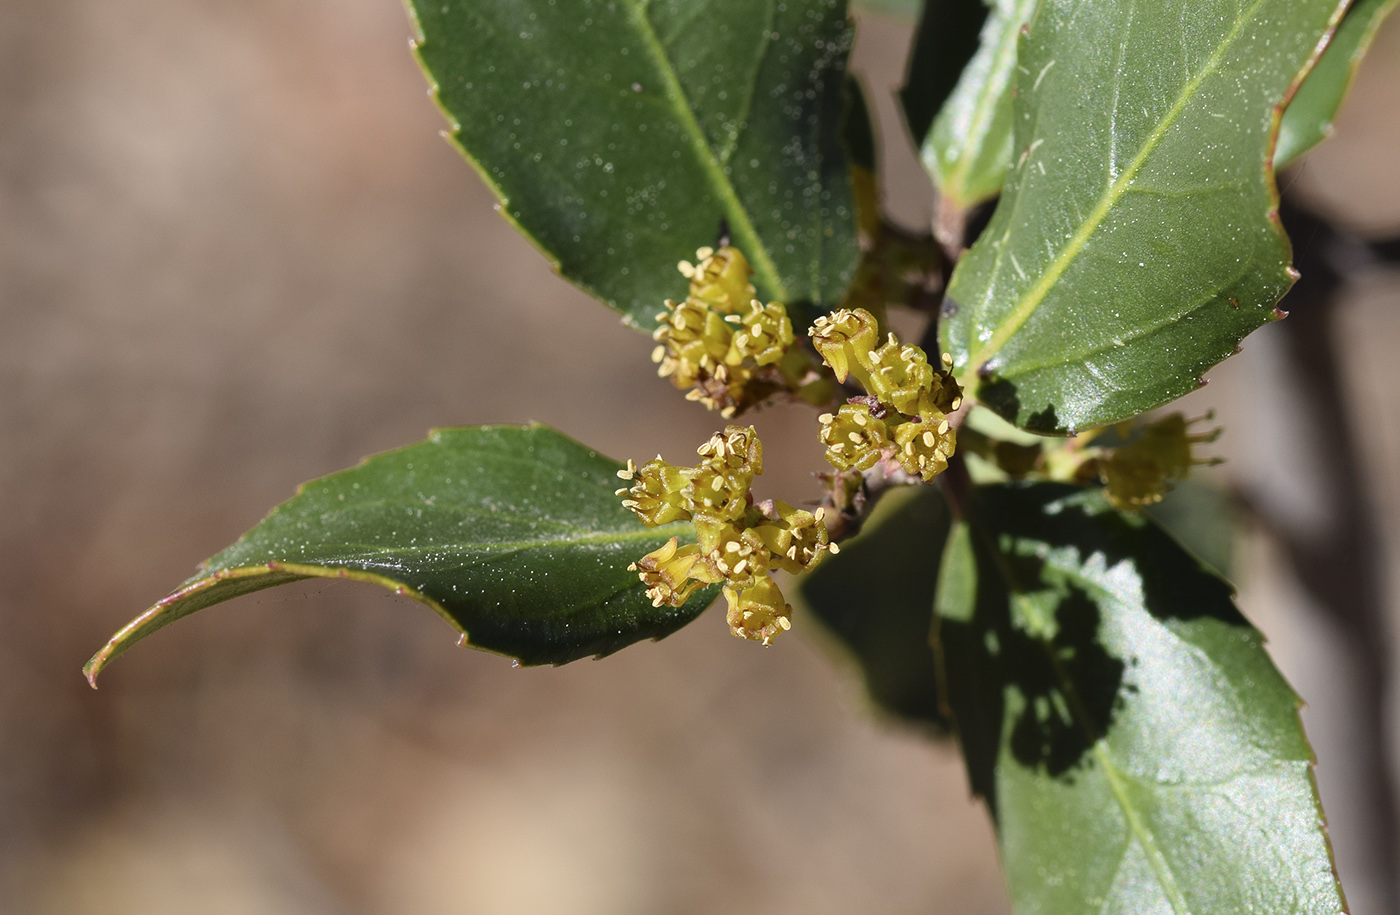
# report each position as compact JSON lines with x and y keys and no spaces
{"x":739,"y":221}
{"x":1032,"y":298}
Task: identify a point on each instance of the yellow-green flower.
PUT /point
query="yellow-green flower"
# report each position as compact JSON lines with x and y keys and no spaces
{"x":796,"y":538}
{"x":844,"y":339}
{"x":923,"y":447}
{"x":900,"y":375}
{"x":656,"y":492}
{"x":737,"y":542}
{"x":758,"y":612}
{"x":911,"y":426}
{"x":731,"y":350}
{"x":1141,"y":472}
{"x":672,"y":573}
{"x":736,"y":553}
{"x":854,"y":437}
{"x":720,"y":280}
{"x":762,"y":337}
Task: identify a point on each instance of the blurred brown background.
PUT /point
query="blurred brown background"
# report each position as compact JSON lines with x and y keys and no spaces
{"x":234,"y":255}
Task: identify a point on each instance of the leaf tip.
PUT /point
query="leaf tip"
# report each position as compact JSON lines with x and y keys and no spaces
{"x":95,"y":665}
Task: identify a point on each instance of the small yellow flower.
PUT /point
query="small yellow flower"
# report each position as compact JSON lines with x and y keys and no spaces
{"x":737,"y":543}
{"x":1141,"y":472}
{"x":923,"y":447}
{"x":914,"y":398}
{"x":718,"y":491}
{"x":720,"y":280}
{"x":763,"y":336}
{"x":759,"y":612}
{"x":900,"y":375}
{"x":797,"y":538}
{"x":736,"y":553}
{"x":656,"y":492}
{"x":854,"y":437}
{"x":731,"y":350}
{"x":671,"y":573}
{"x":692,"y":340}
{"x":844,"y":339}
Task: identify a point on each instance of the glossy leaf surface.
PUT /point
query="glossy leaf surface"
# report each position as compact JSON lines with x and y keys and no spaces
{"x":1308,"y":119}
{"x":1133,"y":742}
{"x":622,"y":135}
{"x":512,"y":534}
{"x":969,"y":148}
{"x":876,"y":599}
{"x":1136,"y":241}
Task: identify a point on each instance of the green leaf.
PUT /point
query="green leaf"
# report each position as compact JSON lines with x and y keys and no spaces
{"x":1308,"y":119}
{"x":1137,"y":240}
{"x":876,"y":599}
{"x":969,"y":149}
{"x":622,"y":135}
{"x":1133,"y":742}
{"x":1203,"y":519}
{"x":857,"y":131}
{"x":943,"y":46}
{"x":511,"y":534}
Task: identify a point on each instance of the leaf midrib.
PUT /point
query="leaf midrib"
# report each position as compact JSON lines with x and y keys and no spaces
{"x":448,"y":506}
{"x":497,"y":546}
{"x":1036,"y":294}
{"x":981,"y":119}
{"x":1156,"y":860}
{"x":739,"y":223}
{"x":1078,"y":357}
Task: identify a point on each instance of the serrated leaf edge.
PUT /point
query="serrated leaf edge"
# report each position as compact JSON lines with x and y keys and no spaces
{"x":739,"y":223}
{"x":1112,"y":773}
{"x":980,"y":355}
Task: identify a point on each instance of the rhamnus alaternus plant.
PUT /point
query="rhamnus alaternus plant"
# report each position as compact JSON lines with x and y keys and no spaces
{"x":1005,"y":581}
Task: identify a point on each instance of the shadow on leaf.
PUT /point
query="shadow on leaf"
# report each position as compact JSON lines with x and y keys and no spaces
{"x":1021,"y":637}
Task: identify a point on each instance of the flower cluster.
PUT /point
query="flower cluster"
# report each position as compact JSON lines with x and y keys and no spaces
{"x":905,"y":416}
{"x":1141,"y":472}
{"x":739,"y":544}
{"x":730,"y":349}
